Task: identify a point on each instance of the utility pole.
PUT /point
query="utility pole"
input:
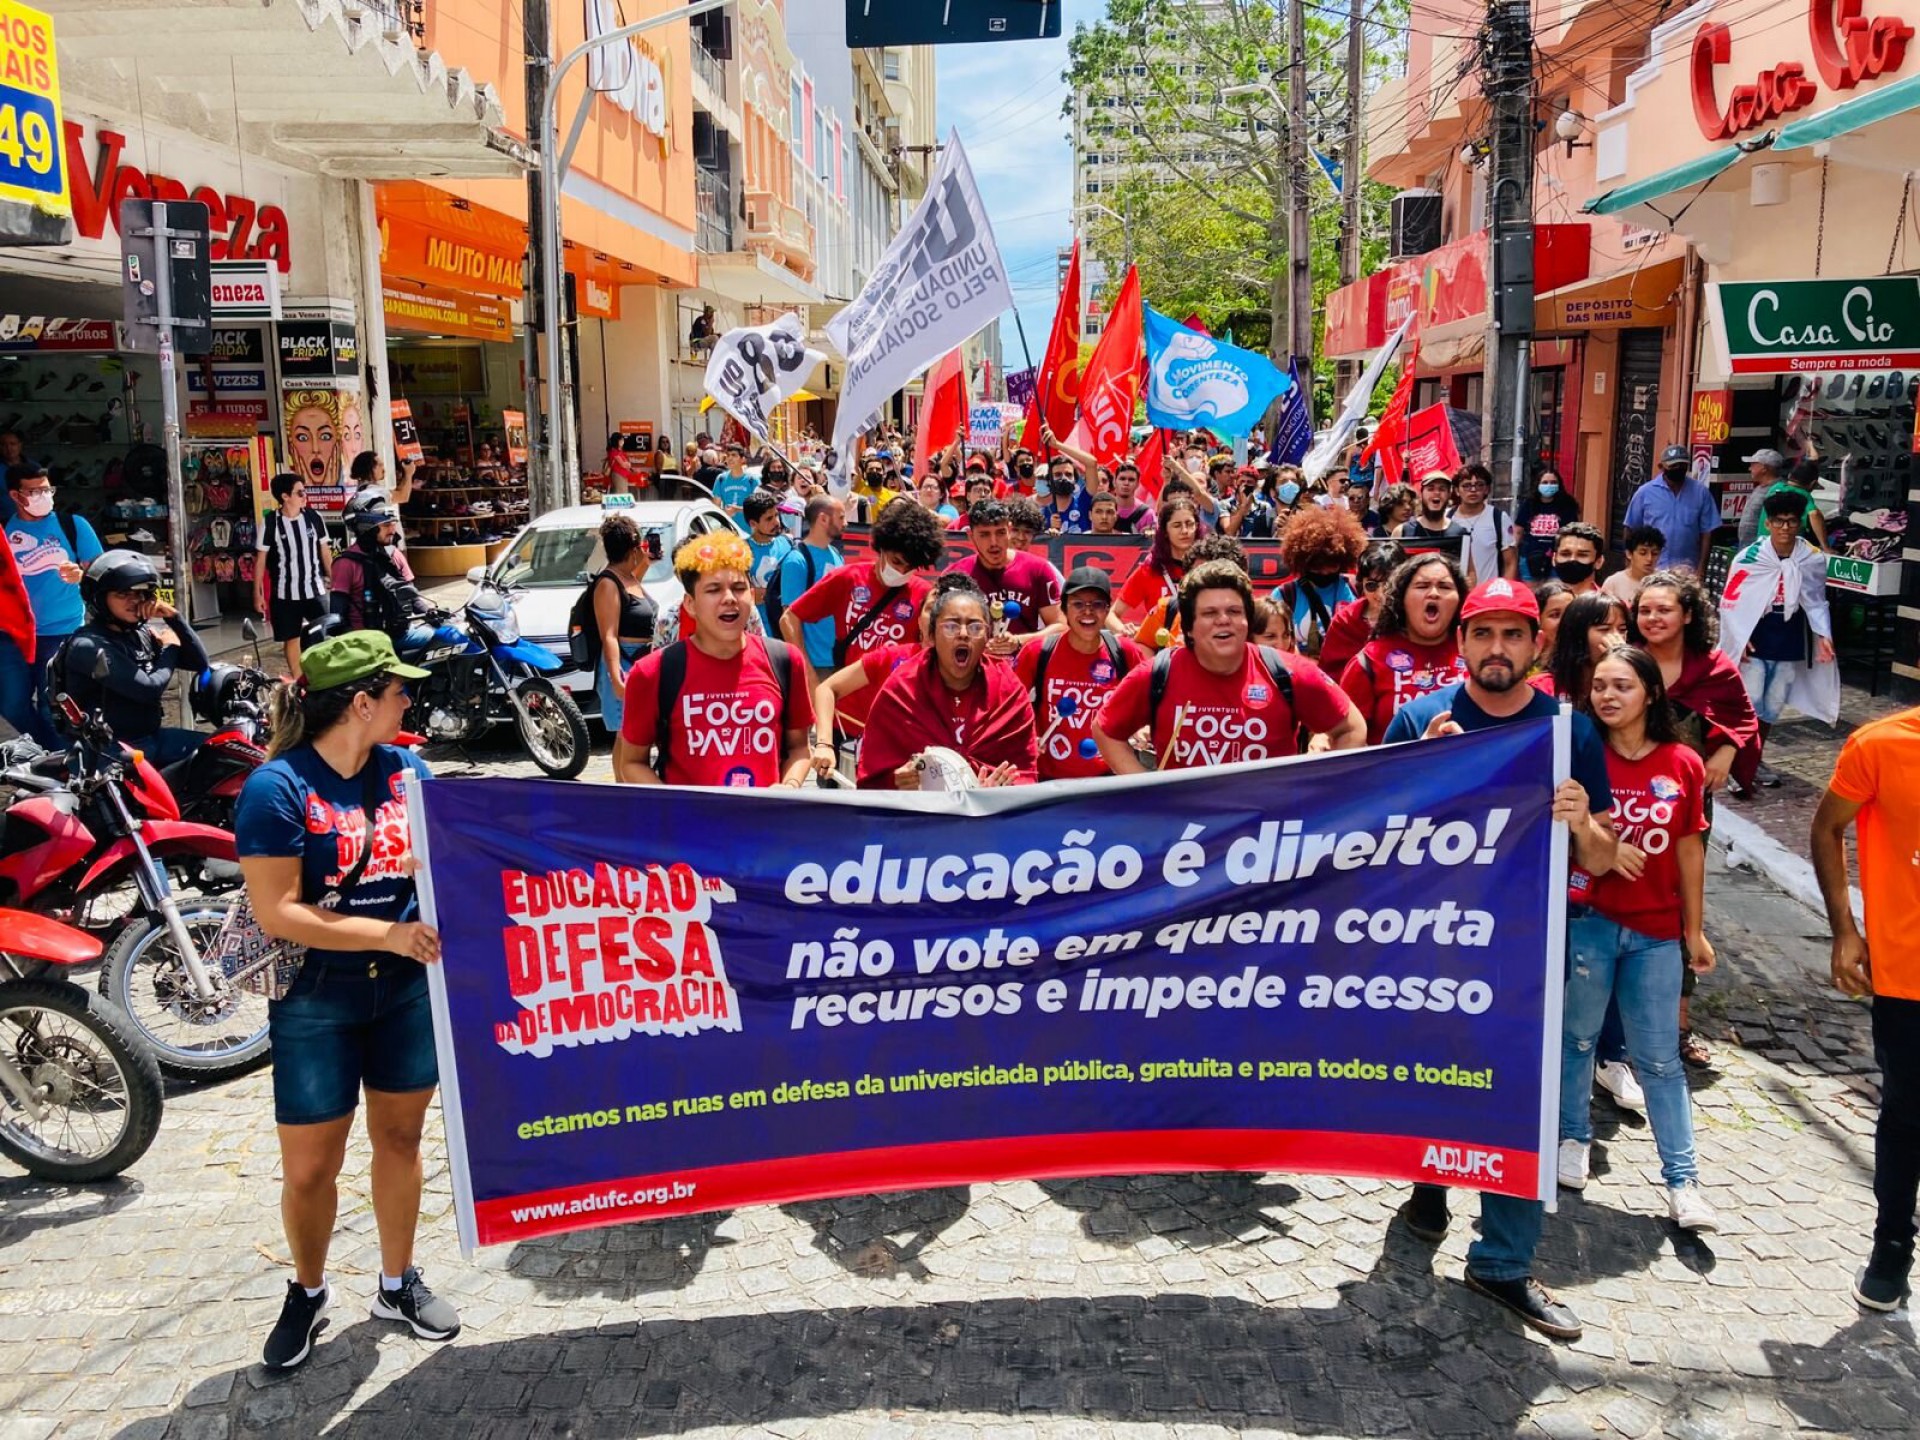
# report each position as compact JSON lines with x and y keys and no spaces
{"x":537,"y":25}
{"x":1350,"y":181}
{"x":1299,"y":226}
{"x":1508,"y":82}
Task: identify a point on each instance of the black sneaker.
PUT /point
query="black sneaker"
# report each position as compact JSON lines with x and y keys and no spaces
{"x":1530,"y":1300}
{"x":302,"y":1317}
{"x":1883,"y":1284}
{"x":414,"y":1304}
{"x":1426,"y":1213}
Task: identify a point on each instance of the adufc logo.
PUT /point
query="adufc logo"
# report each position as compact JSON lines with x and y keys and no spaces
{"x":1458,"y":1162}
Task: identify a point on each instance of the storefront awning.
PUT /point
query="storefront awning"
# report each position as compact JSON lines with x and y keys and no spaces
{"x":1675,"y":186}
{"x":1885,"y":103}
{"x":752,"y":279}
{"x":333,"y":86}
{"x":1639,"y":295}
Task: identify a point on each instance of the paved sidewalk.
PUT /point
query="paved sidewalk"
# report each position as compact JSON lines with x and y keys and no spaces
{"x":1189,"y":1305}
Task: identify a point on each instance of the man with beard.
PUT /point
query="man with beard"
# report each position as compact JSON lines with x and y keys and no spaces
{"x":720,"y":707}
{"x":1217,"y":698}
{"x":1498,"y":624}
{"x":1430,"y":522}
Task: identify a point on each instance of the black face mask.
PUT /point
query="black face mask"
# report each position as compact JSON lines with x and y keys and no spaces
{"x":1060,"y":485}
{"x":1574,"y":572}
{"x":1023,"y":469}
{"x":1323,"y":577}
{"x":875,"y":478}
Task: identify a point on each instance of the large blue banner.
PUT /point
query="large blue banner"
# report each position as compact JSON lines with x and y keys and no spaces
{"x":666,"y":1000}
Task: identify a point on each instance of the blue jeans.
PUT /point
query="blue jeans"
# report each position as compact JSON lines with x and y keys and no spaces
{"x":1509,"y":1234}
{"x":339,"y":1029}
{"x":611,"y":692}
{"x":25,"y":699}
{"x":166,"y":745}
{"x":1608,"y":961}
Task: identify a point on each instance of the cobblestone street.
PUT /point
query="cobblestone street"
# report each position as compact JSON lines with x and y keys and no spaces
{"x":1153,"y":1306}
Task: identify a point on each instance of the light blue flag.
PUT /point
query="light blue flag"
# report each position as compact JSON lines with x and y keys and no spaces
{"x":1194,"y":380}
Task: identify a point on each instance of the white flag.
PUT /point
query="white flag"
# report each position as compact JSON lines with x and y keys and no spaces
{"x":1321,"y":458}
{"x":755,"y":367}
{"x":940,"y":283}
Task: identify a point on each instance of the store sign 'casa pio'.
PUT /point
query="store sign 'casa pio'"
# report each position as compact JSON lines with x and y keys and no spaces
{"x":1848,"y":47}
{"x":1785,"y":327}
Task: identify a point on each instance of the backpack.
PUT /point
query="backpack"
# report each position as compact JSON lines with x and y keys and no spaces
{"x":583,"y":633}
{"x":673,"y":676}
{"x":1115,"y":653}
{"x":1163,"y":672}
{"x":776,"y":602}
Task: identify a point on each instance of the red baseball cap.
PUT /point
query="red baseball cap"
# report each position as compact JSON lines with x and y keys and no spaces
{"x":1509,"y":596}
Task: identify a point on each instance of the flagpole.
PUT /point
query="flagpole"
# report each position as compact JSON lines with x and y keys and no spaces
{"x":1025,"y":354}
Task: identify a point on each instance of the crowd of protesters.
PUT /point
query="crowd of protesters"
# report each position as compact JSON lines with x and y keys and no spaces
{"x":1407,"y":614}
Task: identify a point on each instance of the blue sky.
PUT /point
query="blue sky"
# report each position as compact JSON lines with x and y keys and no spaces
{"x":1005,"y":100}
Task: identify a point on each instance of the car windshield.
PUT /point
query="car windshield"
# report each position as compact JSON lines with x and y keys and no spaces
{"x":551,"y":556}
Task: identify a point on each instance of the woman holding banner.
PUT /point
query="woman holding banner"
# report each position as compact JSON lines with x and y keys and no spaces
{"x":952,"y":696}
{"x":1626,"y":928}
{"x":323,"y":820}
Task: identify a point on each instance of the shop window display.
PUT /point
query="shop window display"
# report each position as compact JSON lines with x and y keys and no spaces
{"x":1860,"y":427}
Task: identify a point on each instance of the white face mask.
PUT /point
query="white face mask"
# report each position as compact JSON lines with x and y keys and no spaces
{"x":37,"y":505}
{"x":891,"y":577}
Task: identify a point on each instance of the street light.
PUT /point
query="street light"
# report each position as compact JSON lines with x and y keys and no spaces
{"x":1126,"y":223}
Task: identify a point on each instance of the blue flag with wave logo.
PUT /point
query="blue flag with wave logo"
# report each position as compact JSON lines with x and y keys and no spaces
{"x":1194,"y":380}
{"x":1293,"y":429}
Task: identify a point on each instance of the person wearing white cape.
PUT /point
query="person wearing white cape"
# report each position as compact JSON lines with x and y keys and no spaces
{"x":1775,"y":623}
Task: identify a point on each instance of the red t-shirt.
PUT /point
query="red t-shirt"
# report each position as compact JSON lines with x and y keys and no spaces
{"x":844,"y":596}
{"x":1147,"y":585}
{"x":1089,"y":679}
{"x":1223,"y":718}
{"x":1386,"y":674}
{"x":1027,"y":578}
{"x":727,"y":727}
{"x":877,"y":665}
{"x":1658,"y":801}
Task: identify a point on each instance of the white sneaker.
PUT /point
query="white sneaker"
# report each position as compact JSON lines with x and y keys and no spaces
{"x":1573,"y":1164}
{"x":1616,"y":1078}
{"x":1685,"y":1203}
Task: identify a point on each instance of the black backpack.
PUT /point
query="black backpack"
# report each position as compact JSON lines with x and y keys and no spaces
{"x":1163,"y":672}
{"x":673,"y":676}
{"x":1116,"y":653}
{"x":776,"y":602}
{"x":583,"y":632}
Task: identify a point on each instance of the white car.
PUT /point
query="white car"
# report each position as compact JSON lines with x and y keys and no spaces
{"x":551,"y":560}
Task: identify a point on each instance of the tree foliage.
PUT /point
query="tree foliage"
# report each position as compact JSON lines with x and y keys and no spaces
{"x":1200,"y":188}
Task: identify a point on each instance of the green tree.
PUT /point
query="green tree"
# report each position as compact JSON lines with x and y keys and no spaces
{"x":1198,"y":198}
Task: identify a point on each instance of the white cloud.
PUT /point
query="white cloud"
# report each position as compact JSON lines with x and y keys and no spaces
{"x":1005,"y":101}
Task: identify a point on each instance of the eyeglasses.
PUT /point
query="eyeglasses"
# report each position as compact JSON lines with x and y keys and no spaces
{"x":955,"y":629}
{"x":1372,"y":587}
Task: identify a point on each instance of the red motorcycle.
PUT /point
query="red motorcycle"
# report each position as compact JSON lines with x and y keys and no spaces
{"x":85,"y":822}
{"x":79,"y":1099}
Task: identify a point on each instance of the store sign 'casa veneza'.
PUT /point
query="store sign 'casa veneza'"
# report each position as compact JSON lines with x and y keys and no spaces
{"x":1785,"y":327}
{"x":242,"y":229}
{"x":1848,"y":47}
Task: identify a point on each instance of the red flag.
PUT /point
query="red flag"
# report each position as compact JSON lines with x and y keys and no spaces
{"x":943,"y":411}
{"x":1152,"y":461}
{"x":1429,"y":444}
{"x":16,"y":611}
{"x":1112,"y":382}
{"x":1389,"y":438}
{"x":1194,"y":322}
{"x":1058,"y":387}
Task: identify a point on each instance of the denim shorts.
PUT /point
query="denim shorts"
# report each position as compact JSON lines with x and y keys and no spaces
{"x":339,"y":1028}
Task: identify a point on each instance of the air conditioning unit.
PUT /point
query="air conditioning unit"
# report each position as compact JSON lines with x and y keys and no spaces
{"x":1416,"y":223}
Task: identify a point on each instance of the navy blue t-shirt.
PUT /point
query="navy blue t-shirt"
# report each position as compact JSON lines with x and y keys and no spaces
{"x":1589,"y":751}
{"x":300,"y":805}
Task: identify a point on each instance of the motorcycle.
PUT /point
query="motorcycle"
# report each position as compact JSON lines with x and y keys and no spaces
{"x":233,"y":700}
{"x":485,"y":674}
{"x":79,"y":1099}
{"x":84,"y":822}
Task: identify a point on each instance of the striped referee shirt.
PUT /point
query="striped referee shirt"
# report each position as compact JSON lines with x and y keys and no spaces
{"x":292,"y":548}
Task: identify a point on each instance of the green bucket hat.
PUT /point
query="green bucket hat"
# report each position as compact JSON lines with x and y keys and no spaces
{"x":354,"y":656}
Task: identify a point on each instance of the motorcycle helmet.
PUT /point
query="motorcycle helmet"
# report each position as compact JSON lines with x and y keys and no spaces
{"x":116,"y":570}
{"x":213,"y":692}
{"x":367,"y":511}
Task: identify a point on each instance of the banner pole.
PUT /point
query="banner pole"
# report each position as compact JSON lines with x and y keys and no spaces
{"x":1025,"y":353}
{"x":1554,"y":971}
{"x":452,"y":1115}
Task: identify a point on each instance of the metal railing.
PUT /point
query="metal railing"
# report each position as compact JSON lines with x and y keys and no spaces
{"x":713,"y":206}
{"x":710,"y":68}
